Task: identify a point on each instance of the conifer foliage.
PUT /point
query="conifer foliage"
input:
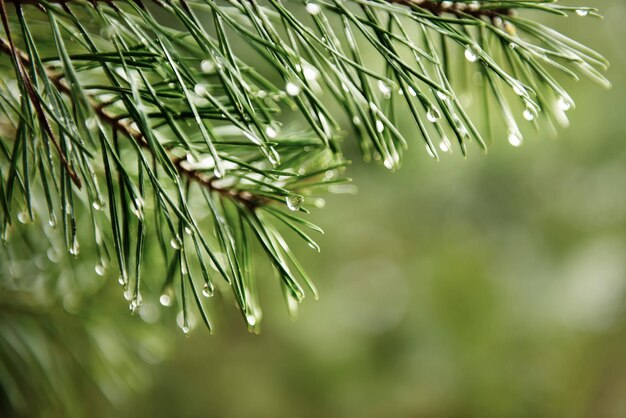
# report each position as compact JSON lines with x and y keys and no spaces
{"x":203,"y":131}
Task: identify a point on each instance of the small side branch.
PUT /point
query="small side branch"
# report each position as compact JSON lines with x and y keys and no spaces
{"x":456,"y":8}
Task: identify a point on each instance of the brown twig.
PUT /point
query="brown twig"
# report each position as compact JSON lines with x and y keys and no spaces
{"x":456,"y":8}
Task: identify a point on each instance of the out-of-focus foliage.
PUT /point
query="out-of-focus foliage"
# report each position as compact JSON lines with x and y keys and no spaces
{"x":63,"y":338}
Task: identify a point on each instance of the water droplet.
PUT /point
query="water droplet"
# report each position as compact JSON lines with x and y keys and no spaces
{"x":121,"y":280}
{"x":582,"y":12}
{"x":515,"y":138}
{"x":529,"y":114}
{"x":273,"y":156}
{"x":97,"y":204}
{"x":74,"y":249}
{"x":200,"y":90}
{"x":412,"y":91}
{"x":313,"y":8}
{"x":445,"y":145}
{"x":310,"y":72}
{"x":384,"y":89}
{"x":292,"y":88}
{"x":52,"y":221}
{"x":294,"y":202}
{"x":185,"y":329}
{"x":442,"y":95}
{"x":380,"y":127}
{"x":356,"y":120}
{"x":207,"y":66}
{"x":23,"y":217}
{"x":251,"y":319}
{"x":188,"y":230}
{"x":207,"y":291}
{"x":128,"y":294}
{"x":270,"y":132}
{"x":100,"y":269}
{"x":519,"y":90}
{"x":470,"y":55}
{"x":133,"y":305}
{"x":175,"y":243}
{"x":433,"y":115}
{"x":564,"y":104}
{"x":167,"y":297}
{"x":137,"y":208}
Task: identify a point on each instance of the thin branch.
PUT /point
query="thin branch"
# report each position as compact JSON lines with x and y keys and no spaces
{"x":124,"y":126}
{"x":457,"y":8}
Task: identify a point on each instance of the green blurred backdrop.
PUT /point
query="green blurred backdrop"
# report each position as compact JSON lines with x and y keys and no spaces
{"x":492,"y":286}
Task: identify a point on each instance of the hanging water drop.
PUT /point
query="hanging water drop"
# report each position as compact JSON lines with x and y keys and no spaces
{"x":433,"y":115}
{"x":200,"y":90}
{"x":100,"y":268}
{"x":380,"y":127}
{"x":251,"y":319}
{"x":445,"y":145}
{"x":388,"y":163}
{"x":564,"y":104}
{"x":207,"y":66}
{"x":313,"y":8}
{"x":207,"y":291}
{"x":74,"y":249}
{"x":470,"y":55}
{"x":132,"y":306}
{"x":188,"y":230}
{"x":384,"y":89}
{"x":185,"y":328}
{"x":270,"y":132}
{"x":167,"y":297}
{"x":515,"y":138}
{"x":292,"y":88}
{"x":309,"y":72}
{"x":294,"y":202}
{"x":528,"y":114}
{"x":175,"y":243}
{"x":23,"y":217}
{"x":97,"y":205}
{"x":582,"y":12}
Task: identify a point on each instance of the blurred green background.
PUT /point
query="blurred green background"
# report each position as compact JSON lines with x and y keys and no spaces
{"x":492,"y":286}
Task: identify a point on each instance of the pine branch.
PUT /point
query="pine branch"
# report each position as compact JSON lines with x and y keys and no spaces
{"x":205,"y":127}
